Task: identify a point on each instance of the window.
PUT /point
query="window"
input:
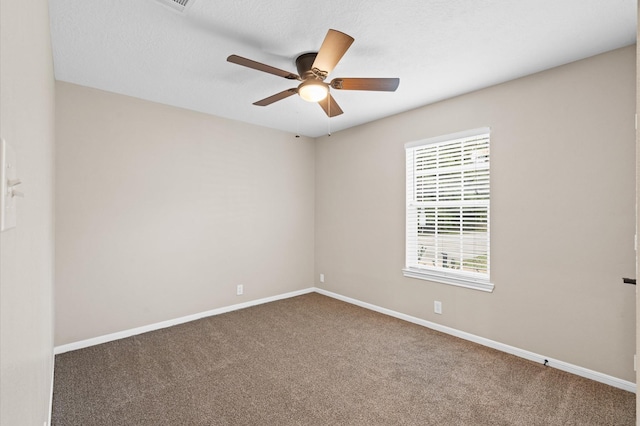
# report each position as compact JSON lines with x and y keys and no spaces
{"x":448,"y":199}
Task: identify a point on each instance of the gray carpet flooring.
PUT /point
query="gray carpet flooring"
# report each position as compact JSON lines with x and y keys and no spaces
{"x":313,"y":360}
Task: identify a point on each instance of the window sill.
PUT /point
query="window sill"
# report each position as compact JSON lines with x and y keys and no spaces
{"x":422,"y":274}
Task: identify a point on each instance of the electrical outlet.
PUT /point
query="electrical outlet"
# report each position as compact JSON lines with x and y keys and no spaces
{"x":239,"y":290}
{"x":437,"y":307}
{"x":321,"y":278}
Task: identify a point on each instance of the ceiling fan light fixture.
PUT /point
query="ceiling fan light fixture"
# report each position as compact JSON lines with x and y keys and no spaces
{"x":313,"y":90}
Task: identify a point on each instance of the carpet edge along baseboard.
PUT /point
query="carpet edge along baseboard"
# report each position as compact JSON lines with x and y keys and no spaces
{"x":531,"y":356}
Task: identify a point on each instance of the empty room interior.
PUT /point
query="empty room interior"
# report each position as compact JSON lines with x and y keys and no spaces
{"x":448,"y":237}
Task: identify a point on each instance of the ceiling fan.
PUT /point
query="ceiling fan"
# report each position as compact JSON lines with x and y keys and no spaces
{"x":313,"y":69}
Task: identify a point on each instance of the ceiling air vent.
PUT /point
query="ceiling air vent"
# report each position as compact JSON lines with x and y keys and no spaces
{"x":177,"y":5}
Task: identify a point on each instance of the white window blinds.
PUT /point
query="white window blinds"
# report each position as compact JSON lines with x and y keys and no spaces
{"x":448,"y":199}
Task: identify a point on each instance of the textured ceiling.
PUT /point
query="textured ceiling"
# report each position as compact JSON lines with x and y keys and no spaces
{"x":438,"y":49}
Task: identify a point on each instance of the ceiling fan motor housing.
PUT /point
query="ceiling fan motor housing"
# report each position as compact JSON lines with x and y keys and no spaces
{"x":304,"y":64}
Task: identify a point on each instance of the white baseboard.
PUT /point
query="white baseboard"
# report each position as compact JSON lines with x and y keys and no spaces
{"x":164,"y":324}
{"x":551,"y":362}
{"x":560,"y":365}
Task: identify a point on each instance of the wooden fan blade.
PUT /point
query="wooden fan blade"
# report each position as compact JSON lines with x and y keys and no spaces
{"x":333,"y":47}
{"x":377,"y":84}
{"x":277,"y":97}
{"x":262,"y":67}
{"x":330,"y":106}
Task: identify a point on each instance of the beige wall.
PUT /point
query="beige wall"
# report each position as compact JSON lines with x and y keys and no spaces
{"x":26,"y":252}
{"x":562,"y":213}
{"x":161,"y":212}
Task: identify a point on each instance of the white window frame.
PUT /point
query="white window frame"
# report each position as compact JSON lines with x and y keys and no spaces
{"x":413,"y":269}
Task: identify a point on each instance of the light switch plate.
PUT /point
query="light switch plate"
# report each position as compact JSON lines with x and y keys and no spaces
{"x":8,"y":172}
